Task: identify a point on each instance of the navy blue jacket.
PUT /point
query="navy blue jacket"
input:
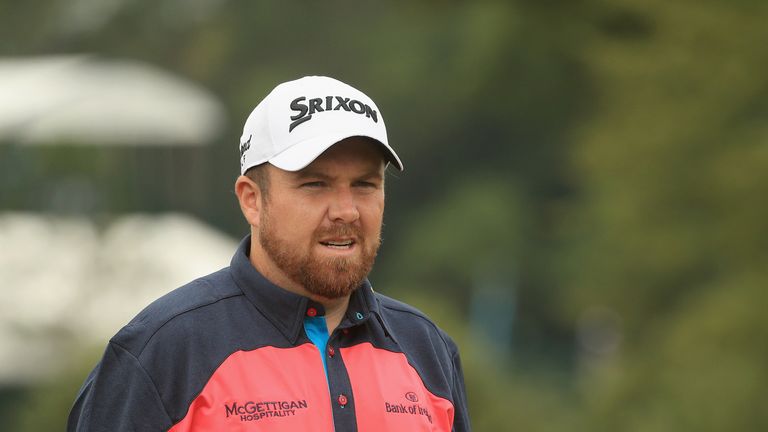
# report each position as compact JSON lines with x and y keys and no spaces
{"x":229,"y":351}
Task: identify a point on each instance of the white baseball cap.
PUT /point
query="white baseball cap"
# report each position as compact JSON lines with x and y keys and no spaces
{"x":300,"y":119}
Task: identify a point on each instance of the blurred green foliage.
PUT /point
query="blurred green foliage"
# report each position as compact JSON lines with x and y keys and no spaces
{"x":606,"y":159}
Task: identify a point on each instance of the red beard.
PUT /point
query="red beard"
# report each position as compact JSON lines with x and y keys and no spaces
{"x":331,"y":278}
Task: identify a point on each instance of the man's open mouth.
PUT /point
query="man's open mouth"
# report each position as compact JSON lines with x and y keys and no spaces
{"x":338,"y":244}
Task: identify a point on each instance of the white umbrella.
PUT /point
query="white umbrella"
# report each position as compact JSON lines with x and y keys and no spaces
{"x":82,"y":99}
{"x":67,"y":285}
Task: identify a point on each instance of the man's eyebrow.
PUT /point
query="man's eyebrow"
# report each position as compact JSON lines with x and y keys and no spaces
{"x":374,"y":174}
{"x":304,"y":174}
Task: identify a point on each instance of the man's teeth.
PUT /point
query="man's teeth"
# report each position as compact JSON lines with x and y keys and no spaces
{"x":338,"y":244}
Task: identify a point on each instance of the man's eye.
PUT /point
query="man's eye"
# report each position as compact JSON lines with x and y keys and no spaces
{"x":314,"y":184}
{"x":364,"y":184}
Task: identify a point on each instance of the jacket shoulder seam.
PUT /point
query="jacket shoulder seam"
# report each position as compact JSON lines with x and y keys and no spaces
{"x":147,"y":375}
{"x":176,"y":315}
{"x":422,"y":317}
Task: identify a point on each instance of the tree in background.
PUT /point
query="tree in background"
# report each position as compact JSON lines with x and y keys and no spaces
{"x":667,"y":228}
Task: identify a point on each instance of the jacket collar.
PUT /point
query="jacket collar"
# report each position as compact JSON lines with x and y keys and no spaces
{"x":286,"y":310}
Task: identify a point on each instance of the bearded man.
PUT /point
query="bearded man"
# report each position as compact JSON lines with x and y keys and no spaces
{"x":291,"y":336}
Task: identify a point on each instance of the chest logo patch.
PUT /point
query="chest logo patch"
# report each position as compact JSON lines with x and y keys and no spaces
{"x":412,"y":408}
{"x":255,"y":411}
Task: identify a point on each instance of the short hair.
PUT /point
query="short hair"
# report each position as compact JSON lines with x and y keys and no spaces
{"x":260,"y":175}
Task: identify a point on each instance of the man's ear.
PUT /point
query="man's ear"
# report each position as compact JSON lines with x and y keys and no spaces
{"x":249,"y":197}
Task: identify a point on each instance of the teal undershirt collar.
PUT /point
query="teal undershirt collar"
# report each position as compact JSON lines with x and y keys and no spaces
{"x":317,"y":331}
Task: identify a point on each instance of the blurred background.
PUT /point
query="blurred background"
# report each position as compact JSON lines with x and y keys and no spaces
{"x":581,"y":206}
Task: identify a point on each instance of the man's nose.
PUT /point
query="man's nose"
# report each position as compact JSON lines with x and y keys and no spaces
{"x":343,"y":207}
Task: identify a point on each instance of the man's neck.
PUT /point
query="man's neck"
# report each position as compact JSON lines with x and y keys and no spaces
{"x":334,"y":310}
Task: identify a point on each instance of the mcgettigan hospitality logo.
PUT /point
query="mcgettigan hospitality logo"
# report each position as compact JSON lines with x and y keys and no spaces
{"x":254,"y":411}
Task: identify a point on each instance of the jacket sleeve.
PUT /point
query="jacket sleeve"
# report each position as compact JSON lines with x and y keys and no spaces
{"x":461,"y":414}
{"x":118,"y":395}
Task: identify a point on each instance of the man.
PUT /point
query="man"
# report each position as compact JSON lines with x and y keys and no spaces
{"x":290,"y":336}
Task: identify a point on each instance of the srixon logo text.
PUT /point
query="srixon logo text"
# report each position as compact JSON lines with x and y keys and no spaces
{"x":306,"y":108}
{"x":254,"y":411}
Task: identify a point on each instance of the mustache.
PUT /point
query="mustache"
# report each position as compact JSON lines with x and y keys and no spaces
{"x":341,"y":230}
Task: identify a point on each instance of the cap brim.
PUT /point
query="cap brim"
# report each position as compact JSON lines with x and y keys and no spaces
{"x":301,"y":154}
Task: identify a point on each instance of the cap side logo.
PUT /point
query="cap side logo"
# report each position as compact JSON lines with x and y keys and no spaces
{"x":305,"y":110}
{"x":243,"y":148}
